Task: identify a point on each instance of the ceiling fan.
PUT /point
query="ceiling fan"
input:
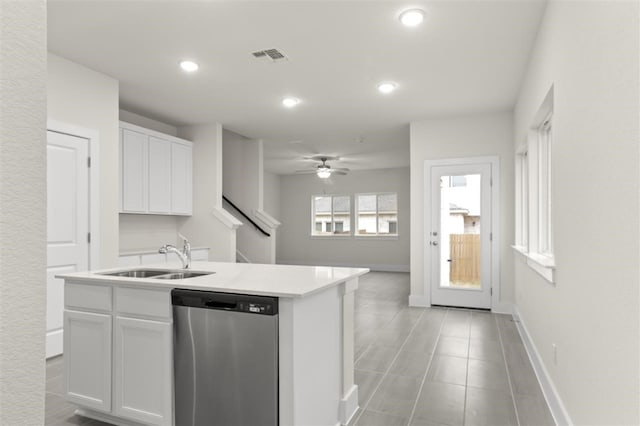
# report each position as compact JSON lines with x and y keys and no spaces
{"x":324,"y":170}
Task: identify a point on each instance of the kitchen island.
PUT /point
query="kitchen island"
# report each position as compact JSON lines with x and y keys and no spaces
{"x":118,"y":339}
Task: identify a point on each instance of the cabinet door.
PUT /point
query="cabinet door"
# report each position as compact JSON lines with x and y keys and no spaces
{"x":181,"y":178}
{"x":143,"y":370}
{"x":87,"y":359}
{"x":159,"y":175}
{"x":133,"y":161}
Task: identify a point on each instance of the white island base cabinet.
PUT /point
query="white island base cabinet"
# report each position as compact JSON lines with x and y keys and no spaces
{"x":137,"y":344}
{"x":87,"y":359}
{"x":143,"y":367}
{"x":119,"y":341}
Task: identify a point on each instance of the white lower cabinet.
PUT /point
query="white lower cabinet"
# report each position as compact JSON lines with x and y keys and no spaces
{"x":118,"y":353}
{"x":87,"y":358}
{"x":142,"y":370}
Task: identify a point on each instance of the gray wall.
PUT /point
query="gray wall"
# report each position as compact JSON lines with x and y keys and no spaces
{"x":295,"y":244}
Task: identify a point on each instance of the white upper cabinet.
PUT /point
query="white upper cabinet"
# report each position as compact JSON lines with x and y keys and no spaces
{"x":156,"y":172}
{"x":181,"y":177}
{"x":160,"y":176}
{"x":133,"y":167}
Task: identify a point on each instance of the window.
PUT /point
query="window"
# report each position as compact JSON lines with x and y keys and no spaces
{"x":522,"y":200}
{"x":545,"y":228}
{"x":377,"y":214}
{"x":331,"y":215}
{"x":534,"y":189}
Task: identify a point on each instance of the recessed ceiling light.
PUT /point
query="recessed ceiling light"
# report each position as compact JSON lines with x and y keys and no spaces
{"x":290,"y":102}
{"x":412,"y":17}
{"x":189,"y":66}
{"x":387,"y":87}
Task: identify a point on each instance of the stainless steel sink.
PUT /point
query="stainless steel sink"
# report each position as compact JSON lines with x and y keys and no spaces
{"x":182,"y":275}
{"x":164,"y":274}
{"x":139,"y":273}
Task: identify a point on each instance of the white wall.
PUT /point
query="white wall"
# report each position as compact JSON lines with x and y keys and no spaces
{"x":240,"y":174}
{"x":79,"y":96}
{"x":295,"y":244}
{"x":243,"y":181}
{"x":149,"y":123}
{"x":23,"y":211}
{"x":272,"y":194}
{"x":456,"y":137}
{"x":148,"y":232}
{"x":203,"y":228}
{"x":589,"y":52}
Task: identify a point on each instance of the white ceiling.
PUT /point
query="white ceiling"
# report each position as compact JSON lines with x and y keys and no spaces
{"x":467,"y":57}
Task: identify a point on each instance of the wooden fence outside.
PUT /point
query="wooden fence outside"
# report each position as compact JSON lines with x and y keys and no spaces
{"x":465,"y":258}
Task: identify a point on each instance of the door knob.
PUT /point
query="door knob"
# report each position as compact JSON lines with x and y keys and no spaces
{"x":434,"y":243}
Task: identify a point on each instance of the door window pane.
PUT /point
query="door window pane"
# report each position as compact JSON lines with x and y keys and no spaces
{"x":460,"y":220}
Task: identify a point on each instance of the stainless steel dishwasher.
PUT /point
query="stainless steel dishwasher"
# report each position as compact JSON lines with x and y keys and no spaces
{"x":225,"y":359}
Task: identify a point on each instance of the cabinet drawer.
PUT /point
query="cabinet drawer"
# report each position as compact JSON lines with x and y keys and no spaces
{"x":88,"y":296}
{"x":143,"y":302}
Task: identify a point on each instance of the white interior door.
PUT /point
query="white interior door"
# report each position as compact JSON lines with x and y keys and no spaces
{"x":67,"y":224}
{"x":460,"y":235}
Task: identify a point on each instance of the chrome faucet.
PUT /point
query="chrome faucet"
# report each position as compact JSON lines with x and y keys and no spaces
{"x":184,"y":255}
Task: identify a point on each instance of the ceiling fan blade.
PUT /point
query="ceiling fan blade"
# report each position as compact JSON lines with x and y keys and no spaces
{"x":337,"y":172}
{"x":306,"y":172}
{"x":340,"y":169}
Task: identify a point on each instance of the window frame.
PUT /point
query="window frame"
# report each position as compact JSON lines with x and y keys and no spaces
{"x":522,"y":199}
{"x":377,"y":235}
{"x":534,"y":194}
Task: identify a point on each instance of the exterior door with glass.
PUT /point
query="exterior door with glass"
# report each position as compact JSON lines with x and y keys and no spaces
{"x":460,"y":235}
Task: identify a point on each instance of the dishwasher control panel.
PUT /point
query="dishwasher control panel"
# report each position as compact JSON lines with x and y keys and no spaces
{"x":261,"y":305}
{"x":257,"y":308}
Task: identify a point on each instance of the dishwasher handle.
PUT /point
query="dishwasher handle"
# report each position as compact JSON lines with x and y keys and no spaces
{"x":218,"y":304}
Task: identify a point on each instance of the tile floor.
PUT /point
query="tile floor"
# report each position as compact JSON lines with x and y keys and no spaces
{"x":439,"y":366}
{"x":417,"y":366}
{"x":58,"y":412}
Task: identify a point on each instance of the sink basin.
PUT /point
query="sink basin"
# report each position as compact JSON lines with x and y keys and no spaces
{"x":182,"y":275}
{"x":139,"y":273}
{"x":158,"y":274}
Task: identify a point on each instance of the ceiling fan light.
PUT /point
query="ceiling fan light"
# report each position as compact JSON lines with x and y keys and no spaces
{"x":323,"y":173}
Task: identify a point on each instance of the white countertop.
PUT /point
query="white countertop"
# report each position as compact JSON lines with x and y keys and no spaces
{"x":246,"y":278}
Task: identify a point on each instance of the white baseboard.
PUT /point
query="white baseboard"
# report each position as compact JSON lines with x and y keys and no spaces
{"x":418,"y":300}
{"x":502,"y":308}
{"x":349,"y":405}
{"x":54,"y":343}
{"x":107,"y":418}
{"x":372,"y":266}
{"x":557,"y":408}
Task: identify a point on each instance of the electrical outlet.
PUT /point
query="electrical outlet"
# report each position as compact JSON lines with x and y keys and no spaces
{"x":555,"y":353}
